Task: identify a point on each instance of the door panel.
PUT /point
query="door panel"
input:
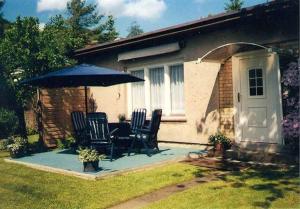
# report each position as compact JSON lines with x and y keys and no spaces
{"x":259,"y":113}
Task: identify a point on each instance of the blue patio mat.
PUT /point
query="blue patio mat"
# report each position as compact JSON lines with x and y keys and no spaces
{"x":64,"y":159}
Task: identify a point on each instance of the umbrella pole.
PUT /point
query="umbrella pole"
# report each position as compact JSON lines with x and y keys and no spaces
{"x":86,"y":100}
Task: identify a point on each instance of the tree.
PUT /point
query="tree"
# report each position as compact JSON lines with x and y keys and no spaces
{"x":234,"y":5}
{"x":25,"y":52}
{"x":3,"y":22}
{"x":84,"y":21}
{"x":1,"y":6}
{"x":134,"y":29}
{"x":57,"y":43}
{"x":82,"y":17}
{"x":19,"y":52}
{"x":107,"y":31}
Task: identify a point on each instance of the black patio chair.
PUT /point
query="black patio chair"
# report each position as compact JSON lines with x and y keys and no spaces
{"x":138,"y":119}
{"x":79,"y":127}
{"x":98,"y":132}
{"x":147,"y":136}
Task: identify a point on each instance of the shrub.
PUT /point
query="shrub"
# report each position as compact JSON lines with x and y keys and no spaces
{"x":31,"y":131}
{"x":4,"y":143}
{"x":291,"y":105}
{"x":8,"y":123}
{"x":70,"y":139}
{"x":220,"y":138}
{"x":65,"y":143}
{"x":60,"y":143}
{"x":37,"y":146}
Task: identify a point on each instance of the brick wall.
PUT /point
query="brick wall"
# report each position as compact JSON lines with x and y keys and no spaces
{"x":30,"y":118}
{"x":57,"y":105}
{"x":226,"y":99}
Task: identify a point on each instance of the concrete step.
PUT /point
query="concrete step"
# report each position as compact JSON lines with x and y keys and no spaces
{"x":261,"y":156}
{"x":232,"y":154}
{"x":258,"y":146}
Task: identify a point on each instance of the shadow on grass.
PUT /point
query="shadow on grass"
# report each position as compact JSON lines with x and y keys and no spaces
{"x":274,"y":181}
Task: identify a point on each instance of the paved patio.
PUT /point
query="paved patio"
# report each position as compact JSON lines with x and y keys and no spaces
{"x":65,"y":162}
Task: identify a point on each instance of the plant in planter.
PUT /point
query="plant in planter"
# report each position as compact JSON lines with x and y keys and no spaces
{"x":18,"y":148}
{"x":90,"y":159}
{"x":122,"y":118}
{"x":220,"y":142}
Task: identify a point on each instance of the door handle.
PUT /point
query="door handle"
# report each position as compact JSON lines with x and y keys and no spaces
{"x":238,"y":96}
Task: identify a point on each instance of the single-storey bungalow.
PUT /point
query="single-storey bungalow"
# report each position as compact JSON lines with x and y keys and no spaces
{"x":219,"y":73}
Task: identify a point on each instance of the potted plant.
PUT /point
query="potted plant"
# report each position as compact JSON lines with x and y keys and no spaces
{"x":122,"y":118}
{"x":90,"y":159}
{"x":18,"y":148}
{"x":220,"y":142}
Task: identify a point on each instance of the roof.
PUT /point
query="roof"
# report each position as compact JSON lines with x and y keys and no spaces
{"x":190,"y":26}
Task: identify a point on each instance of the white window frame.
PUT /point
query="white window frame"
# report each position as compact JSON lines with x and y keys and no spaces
{"x":180,"y":113}
{"x":263,"y":86}
{"x":167,"y":84}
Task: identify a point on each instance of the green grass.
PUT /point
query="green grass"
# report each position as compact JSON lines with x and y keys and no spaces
{"x":26,"y":188}
{"x":255,"y":188}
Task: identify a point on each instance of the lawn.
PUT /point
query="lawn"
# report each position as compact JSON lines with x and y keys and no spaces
{"x":26,"y":188}
{"x":22,"y":187}
{"x":254,"y":188}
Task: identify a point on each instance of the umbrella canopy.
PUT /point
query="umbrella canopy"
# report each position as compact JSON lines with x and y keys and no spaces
{"x":82,"y":75}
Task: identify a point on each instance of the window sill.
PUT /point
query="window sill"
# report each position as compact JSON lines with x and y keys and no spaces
{"x":173,"y":118}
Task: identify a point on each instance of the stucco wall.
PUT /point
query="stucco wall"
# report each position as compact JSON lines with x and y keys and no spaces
{"x":111,"y":100}
{"x":201,"y":104}
{"x":200,"y":90}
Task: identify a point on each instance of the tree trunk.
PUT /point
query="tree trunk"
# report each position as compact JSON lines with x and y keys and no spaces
{"x":38,"y":112}
{"x":22,"y":123}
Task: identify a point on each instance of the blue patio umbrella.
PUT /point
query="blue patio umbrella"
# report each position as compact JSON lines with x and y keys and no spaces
{"x":82,"y":75}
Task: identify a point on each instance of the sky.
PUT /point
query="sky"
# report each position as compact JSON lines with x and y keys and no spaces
{"x":149,"y":14}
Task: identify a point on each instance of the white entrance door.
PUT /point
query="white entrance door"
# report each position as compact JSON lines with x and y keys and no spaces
{"x":257,"y":97}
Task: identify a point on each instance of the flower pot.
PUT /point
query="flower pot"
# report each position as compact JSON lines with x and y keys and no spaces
{"x":90,"y":166}
{"x":219,"y":147}
{"x":16,"y":154}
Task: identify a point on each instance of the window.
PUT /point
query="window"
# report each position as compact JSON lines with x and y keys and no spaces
{"x":163,"y":88}
{"x":138,"y":90}
{"x":157,"y":87}
{"x":177,"y":90}
{"x":256,"y":83}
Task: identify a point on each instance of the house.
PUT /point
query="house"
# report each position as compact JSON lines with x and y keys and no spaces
{"x":220,"y":73}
